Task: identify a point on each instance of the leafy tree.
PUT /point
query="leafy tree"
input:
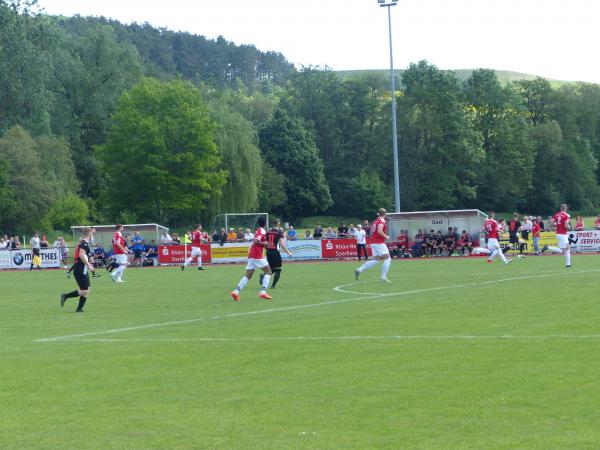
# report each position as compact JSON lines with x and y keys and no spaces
{"x":160,"y":157}
{"x":67,"y":211}
{"x":28,"y":195}
{"x":272,"y":196}
{"x":57,"y":167}
{"x":290,"y":149}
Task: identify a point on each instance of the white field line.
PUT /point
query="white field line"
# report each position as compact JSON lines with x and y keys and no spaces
{"x":365,"y":296}
{"x":349,"y":338}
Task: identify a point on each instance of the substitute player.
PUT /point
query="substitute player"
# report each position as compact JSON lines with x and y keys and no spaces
{"x":378,"y":248}
{"x":491,"y":229}
{"x":256,"y":260}
{"x":120,"y":252}
{"x":81,"y":272}
{"x":197,"y":238}
{"x":275,"y":239}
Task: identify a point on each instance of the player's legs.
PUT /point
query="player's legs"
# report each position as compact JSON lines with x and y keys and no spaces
{"x":385,"y":266}
{"x":117,"y":275}
{"x":563,"y":244}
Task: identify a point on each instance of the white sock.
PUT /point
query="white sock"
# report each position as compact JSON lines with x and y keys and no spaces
{"x":568,"y":257}
{"x":384,"y":267}
{"x":554,"y":249}
{"x":501,"y":255}
{"x":199,"y":260}
{"x":493,"y":255}
{"x":265,"y":282}
{"x":188,"y":261}
{"x":370,"y":263}
{"x":119,"y":272}
{"x":242,"y":283}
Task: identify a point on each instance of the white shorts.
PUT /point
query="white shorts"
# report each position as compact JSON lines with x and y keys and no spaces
{"x":563,"y":241}
{"x":254,"y":264}
{"x":121,"y":259}
{"x":196,"y":251}
{"x":492,"y":244}
{"x":379,"y":249}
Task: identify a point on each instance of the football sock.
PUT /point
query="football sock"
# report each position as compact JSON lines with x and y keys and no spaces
{"x":265,"y":282}
{"x":367,"y":265}
{"x":568,"y":257}
{"x":385,"y":266}
{"x":72,"y":294}
{"x":188,"y":261}
{"x":501,"y":254}
{"x":199,"y":261}
{"x":242,"y":283}
{"x":81,"y":303}
{"x":276,"y":278}
{"x":119,"y":272}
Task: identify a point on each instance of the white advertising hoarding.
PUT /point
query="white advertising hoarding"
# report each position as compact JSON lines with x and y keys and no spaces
{"x":21,"y":259}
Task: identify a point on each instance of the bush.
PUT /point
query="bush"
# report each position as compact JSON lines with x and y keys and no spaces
{"x":67,"y":211}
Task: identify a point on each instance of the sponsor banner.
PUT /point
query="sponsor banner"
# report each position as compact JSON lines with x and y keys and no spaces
{"x":303,"y":249}
{"x":341,"y":248}
{"x":227,"y":253}
{"x":177,"y":254}
{"x":546,"y":238}
{"x":21,"y":259}
{"x":585,"y":241}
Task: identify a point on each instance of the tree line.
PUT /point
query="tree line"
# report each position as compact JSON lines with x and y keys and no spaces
{"x":106,"y":122}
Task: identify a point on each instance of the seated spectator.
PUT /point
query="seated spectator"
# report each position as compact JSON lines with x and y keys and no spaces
{"x":99,"y":256}
{"x":579,"y":225}
{"x":318,"y":234}
{"x":151,"y":250}
{"x":307,"y":234}
{"x":402,"y":243}
{"x":418,"y":249}
{"x":231,"y":236}
{"x":166,"y":239}
{"x":330,"y":234}
{"x":465,"y":243}
{"x":44,"y":242}
{"x":176,"y":239}
{"x":240,"y":235}
{"x":16,"y":243}
{"x":342,"y":231}
{"x":351,"y":231}
{"x":215,"y":236}
{"x":248,"y":236}
{"x":222,"y":236}
{"x":450,"y":239}
{"x":291,"y":234}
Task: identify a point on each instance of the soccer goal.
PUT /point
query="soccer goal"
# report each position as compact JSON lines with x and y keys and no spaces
{"x":237,"y":220}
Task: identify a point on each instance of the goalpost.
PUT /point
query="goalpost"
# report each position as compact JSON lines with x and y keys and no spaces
{"x":237,"y":220}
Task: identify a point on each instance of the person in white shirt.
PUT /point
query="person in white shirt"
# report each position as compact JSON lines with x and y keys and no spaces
{"x":351,"y":231}
{"x":165,"y":239}
{"x":34,"y":242}
{"x":248,"y":236}
{"x":361,"y":241}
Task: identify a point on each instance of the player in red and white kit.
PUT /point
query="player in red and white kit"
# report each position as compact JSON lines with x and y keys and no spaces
{"x":197,"y":238}
{"x":120,"y":252}
{"x":562,"y":221}
{"x":491,"y":229}
{"x":256,"y":260}
{"x":378,"y":247}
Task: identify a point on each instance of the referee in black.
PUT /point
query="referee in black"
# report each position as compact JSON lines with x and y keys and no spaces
{"x":81,"y":271}
{"x":274,"y":238}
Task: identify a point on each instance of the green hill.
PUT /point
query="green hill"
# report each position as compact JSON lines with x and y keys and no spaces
{"x":504,"y":76}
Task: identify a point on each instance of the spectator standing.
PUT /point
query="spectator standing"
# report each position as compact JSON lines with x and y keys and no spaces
{"x":166,"y":239}
{"x":351,"y":231}
{"x":535,"y":232}
{"x":514,"y":225}
{"x":526,"y":228}
{"x":318,"y":234}
{"x":16,"y":243}
{"x":597,"y":222}
{"x":330,"y":234}
{"x":361,"y":242}
{"x":292,"y":235}
{"x":138,"y":249}
{"x":34,"y":242}
{"x":63,"y":251}
{"x":248,"y":236}
{"x":44,"y":242}
{"x":540,"y":223}
{"x":307,"y":234}
{"x":579,"y":225}
{"x":342,"y":231}
{"x":176,"y":239}
{"x":367,"y":227}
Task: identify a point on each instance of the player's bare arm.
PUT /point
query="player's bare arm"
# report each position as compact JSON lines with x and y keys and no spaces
{"x":284,"y":248}
{"x":381,"y":233}
{"x":83,"y":257}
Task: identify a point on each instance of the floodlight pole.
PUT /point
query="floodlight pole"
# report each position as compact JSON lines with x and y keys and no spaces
{"x":393,"y":92}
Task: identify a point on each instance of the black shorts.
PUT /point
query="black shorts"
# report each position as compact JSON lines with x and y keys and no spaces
{"x":513,"y":239}
{"x":137,"y":253}
{"x":274,"y":259}
{"x":82,"y":279}
{"x":35,"y":251}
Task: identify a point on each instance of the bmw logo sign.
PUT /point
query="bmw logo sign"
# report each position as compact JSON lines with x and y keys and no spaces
{"x":18,"y":258}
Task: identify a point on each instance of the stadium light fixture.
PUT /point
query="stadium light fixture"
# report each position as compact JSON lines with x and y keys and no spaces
{"x":388,"y":4}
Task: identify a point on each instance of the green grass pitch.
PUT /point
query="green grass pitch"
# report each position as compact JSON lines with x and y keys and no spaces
{"x":454,"y":353}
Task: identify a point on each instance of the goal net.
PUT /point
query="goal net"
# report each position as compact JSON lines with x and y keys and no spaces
{"x":236,"y":221}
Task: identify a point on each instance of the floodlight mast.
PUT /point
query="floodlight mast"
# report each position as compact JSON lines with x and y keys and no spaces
{"x":388,"y":4}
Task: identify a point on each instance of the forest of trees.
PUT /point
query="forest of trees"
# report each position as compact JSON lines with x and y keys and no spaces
{"x":106,"y":122}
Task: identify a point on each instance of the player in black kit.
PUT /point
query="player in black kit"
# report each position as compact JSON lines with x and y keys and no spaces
{"x":274,"y":236}
{"x":81,"y":271}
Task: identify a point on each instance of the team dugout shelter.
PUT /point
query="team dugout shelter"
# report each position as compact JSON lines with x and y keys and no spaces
{"x":104,"y":233}
{"x":470,"y":220}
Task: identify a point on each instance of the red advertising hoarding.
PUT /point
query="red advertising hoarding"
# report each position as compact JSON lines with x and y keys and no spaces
{"x":177,"y":254}
{"x":341,"y":248}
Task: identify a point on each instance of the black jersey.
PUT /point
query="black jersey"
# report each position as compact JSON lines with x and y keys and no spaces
{"x":79,"y":264}
{"x":273,"y":238}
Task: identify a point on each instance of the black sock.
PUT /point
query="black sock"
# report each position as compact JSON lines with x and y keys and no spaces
{"x":81,"y":303}
{"x":72,"y":294}
{"x":276,"y":278}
